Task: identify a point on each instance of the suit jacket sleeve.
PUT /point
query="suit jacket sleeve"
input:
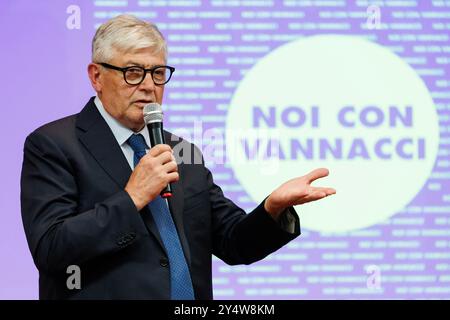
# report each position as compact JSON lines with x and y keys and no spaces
{"x":240,"y":238}
{"x":58,"y":235}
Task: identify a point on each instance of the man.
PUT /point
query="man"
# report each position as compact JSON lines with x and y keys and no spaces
{"x":90,"y":190}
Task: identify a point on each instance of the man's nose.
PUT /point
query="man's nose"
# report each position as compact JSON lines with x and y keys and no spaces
{"x":148,"y":83}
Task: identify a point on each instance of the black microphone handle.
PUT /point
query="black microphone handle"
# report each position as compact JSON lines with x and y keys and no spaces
{"x":157,"y":137}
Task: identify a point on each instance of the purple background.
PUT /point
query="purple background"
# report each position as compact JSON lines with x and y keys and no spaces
{"x":44,"y":78}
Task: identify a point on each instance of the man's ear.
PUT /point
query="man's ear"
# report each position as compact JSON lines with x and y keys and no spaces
{"x":95,"y":76}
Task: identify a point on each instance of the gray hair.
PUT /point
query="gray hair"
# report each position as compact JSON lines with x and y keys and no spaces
{"x":124,"y":33}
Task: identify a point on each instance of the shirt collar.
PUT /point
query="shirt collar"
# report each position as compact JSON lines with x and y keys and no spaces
{"x":120,"y":132}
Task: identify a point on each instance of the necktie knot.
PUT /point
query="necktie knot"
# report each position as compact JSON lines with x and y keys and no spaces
{"x":137,"y":143}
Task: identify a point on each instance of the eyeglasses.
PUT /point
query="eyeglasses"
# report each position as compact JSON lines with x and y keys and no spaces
{"x":134,"y":75}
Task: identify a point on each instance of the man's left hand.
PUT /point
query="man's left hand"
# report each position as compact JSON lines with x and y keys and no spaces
{"x":297,"y":191}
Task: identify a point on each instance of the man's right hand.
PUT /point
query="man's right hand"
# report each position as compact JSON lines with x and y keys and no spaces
{"x":154,"y":171}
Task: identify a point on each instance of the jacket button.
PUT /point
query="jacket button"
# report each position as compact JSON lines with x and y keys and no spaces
{"x":164,"y":262}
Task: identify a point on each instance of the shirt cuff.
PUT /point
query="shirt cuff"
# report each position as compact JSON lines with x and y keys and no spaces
{"x":286,"y":221}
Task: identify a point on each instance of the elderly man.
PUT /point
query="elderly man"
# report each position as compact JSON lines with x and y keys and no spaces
{"x":91,"y":190}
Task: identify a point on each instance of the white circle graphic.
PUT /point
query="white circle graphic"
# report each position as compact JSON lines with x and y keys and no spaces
{"x":338,"y":102}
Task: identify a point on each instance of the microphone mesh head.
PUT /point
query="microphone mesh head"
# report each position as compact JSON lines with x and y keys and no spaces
{"x":153,"y":113}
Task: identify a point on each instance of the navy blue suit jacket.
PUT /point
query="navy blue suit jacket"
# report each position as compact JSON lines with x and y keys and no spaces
{"x":75,"y":212}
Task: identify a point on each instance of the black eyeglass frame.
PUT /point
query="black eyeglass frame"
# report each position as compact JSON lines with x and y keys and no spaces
{"x":151,"y":70}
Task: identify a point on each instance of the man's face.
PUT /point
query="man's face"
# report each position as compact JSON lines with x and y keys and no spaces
{"x":123,"y":101}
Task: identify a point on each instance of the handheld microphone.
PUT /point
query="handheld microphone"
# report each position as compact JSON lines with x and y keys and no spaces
{"x":153,"y":118}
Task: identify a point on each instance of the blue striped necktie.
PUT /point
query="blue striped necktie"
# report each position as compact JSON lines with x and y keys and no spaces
{"x":180,"y":278}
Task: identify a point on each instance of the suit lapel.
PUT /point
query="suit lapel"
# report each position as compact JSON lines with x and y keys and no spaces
{"x":98,"y":138}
